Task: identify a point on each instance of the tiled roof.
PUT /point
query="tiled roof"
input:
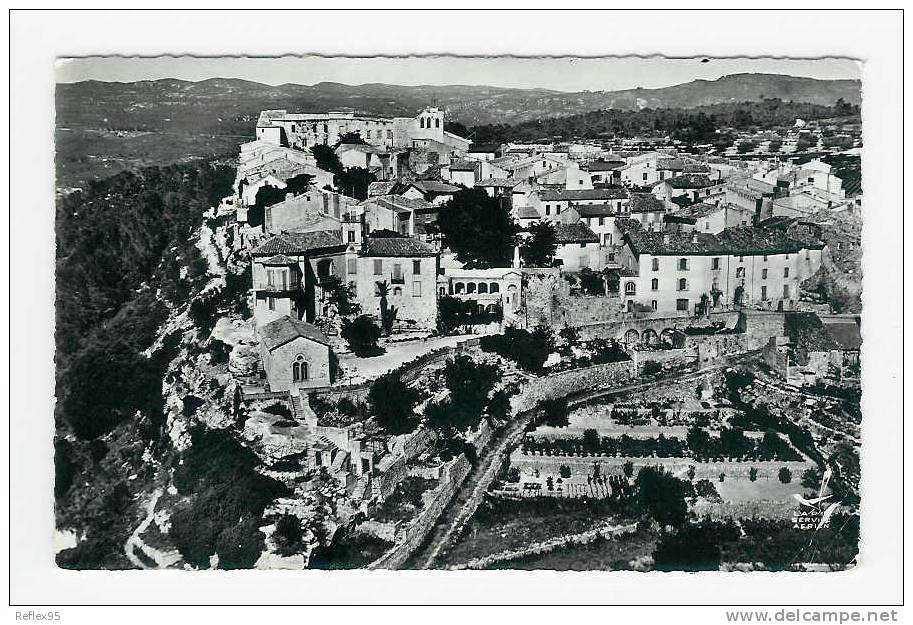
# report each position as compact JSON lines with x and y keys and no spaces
{"x":698,"y":210}
{"x":689,"y":181}
{"x":279,"y":260}
{"x":498,"y":182}
{"x":695,"y":168}
{"x":527,"y":212}
{"x":670,"y":164}
{"x":476,"y":148}
{"x":645,"y":203}
{"x":434,"y":186}
{"x":298,"y":243}
{"x":391,"y":244}
{"x":399,"y":203}
{"x":604,"y":165}
{"x":755,"y":240}
{"x":595,"y":210}
{"x":285,"y":329}
{"x":464,"y":165}
{"x":575,"y":233}
{"x":571,"y":195}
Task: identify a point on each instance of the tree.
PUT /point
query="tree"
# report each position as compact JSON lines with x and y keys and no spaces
{"x":326,"y":158}
{"x":554,"y":412}
{"x":694,"y":547}
{"x":393,"y":404}
{"x":629,"y":469}
{"x":341,"y":295}
{"x":591,"y":282}
{"x":564,"y":471}
{"x":387,"y":312}
{"x":529,"y":350}
{"x":752,"y":474}
{"x":785,"y":475}
{"x":746,"y":146}
{"x":661,"y":495}
{"x":361,"y":334}
{"x":538,"y":250}
{"x":478,"y":229}
{"x":651,"y":367}
{"x":469,"y":384}
{"x":354,"y":182}
{"x":288,"y":535}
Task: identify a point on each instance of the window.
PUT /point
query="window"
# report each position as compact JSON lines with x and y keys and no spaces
{"x":785,"y":291}
{"x":607,"y":239}
{"x":548,"y":209}
{"x":398,"y":291}
{"x":416,"y":288}
{"x":378,"y":267}
{"x":483,"y":287}
{"x":683,"y":264}
{"x":437,"y":123}
{"x":389,"y":134}
{"x":645,"y":176}
{"x":602,"y":221}
{"x":270,"y":277}
{"x":367,"y":134}
{"x":655,"y":264}
{"x":681,"y":304}
{"x":765,"y":258}
{"x":421,"y":122}
{"x":786,"y":272}
{"x":715,"y":263}
{"x":351,"y":236}
{"x":351,"y":266}
{"x":763,"y":274}
{"x":741,"y":259}
{"x":740,"y":272}
{"x":764,"y":292}
{"x":493,"y":287}
{"x":458,"y":288}
{"x":299,"y":369}
{"x":471,"y":287}
{"x":271,"y":302}
{"x":682,"y":284}
{"x":654,"y":284}
{"x":630,"y":288}
{"x":654,"y":304}
{"x":397,"y":271}
{"x":582,"y":245}
{"x":417,"y":267}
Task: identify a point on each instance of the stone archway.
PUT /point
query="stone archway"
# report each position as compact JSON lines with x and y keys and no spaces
{"x":649,"y":338}
{"x":667,"y":336}
{"x":632,"y":337}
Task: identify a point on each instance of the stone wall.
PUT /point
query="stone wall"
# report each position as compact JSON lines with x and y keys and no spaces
{"x":576,"y":380}
{"x":410,"y":536}
{"x":759,"y":326}
{"x":586,"y":310}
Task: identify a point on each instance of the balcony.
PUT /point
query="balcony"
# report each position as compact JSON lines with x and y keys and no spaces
{"x":267,"y":287}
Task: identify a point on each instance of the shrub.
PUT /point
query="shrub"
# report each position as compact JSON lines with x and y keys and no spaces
{"x":528,"y":349}
{"x":785,"y":475}
{"x":393,"y":404}
{"x":279,"y":409}
{"x":361,"y":334}
{"x":564,"y":471}
{"x":555,"y":412}
{"x":651,"y":367}
{"x":752,"y":474}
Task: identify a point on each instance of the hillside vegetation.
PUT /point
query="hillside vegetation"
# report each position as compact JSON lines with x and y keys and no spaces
{"x":125,"y":257}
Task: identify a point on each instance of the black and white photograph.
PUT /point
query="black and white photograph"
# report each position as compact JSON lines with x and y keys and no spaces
{"x":462,"y":313}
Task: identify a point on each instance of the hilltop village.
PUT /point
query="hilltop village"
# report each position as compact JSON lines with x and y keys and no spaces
{"x":436,"y":333}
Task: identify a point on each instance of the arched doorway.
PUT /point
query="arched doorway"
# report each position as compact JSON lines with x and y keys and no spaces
{"x":649,"y":338}
{"x":632,"y":337}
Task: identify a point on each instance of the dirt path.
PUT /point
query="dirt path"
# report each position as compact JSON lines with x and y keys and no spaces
{"x":135,"y":543}
{"x":546,"y":546}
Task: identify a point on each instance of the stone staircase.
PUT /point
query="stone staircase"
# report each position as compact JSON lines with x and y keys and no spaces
{"x":297,"y":409}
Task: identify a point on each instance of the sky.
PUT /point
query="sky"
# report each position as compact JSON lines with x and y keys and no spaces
{"x":561,"y":74}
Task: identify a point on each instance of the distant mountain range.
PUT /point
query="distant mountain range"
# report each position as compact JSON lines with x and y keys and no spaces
{"x":469,"y":105}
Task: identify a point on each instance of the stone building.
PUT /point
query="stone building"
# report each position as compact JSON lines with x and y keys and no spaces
{"x":295,"y":355}
{"x":683,"y":273}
